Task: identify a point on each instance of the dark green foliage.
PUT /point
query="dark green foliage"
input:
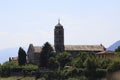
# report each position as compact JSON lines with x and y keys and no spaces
{"x":7,"y":68}
{"x":46,"y":53}
{"x":90,"y":64}
{"x":90,"y":68}
{"x":30,"y":67}
{"x":77,"y":62}
{"x":11,"y":64}
{"x":0,"y":69}
{"x":53,"y":63}
{"x":83,"y":56}
{"x":12,"y":67}
{"x":65,"y":67}
{"x":101,"y":73}
{"x":5,"y":71}
{"x":118,"y":49}
{"x":105,"y":63}
{"x":9,"y":58}
{"x":21,"y":56}
{"x":64,"y":59}
{"x":114,"y":67}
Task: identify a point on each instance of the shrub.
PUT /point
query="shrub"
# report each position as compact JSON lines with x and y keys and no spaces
{"x":101,"y":73}
{"x":30,"y":67}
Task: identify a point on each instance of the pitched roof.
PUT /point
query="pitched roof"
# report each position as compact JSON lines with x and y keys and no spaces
{"x":106,"y":52}
{"x":84,"y":48}
{"x":14,"y":58}
{"x":37,"y":49}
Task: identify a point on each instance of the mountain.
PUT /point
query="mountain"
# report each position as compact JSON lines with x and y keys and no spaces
{"x":114,"y":46}
{"x":6,"y":53}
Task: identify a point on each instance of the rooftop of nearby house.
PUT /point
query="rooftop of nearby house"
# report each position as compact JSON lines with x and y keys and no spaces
{"x":106,"y":52}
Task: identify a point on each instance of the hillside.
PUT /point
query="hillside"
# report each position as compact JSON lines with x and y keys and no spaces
{"x":114,"y":46}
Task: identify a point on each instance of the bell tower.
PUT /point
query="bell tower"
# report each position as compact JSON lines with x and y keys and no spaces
{"x":59,"y":38}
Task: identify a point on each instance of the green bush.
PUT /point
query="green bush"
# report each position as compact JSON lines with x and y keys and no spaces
{"x":115,"y":66}
{"x":83,"y":78}
{"x":30,"y":67}
{"x":101,"y":73}
{"x":5,"y":71}
{"x":7,"y":68}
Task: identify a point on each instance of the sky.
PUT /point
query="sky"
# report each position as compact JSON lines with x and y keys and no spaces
{"x":86,"y":22}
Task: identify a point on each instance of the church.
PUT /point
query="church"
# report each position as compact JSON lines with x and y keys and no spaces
{"x":59,"y":47}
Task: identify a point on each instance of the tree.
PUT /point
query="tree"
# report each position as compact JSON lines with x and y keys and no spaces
{"x":9,"y":58}
{"x":118,"y":49}
{"x":0,"y":69}
{"x":105,"y":63}
{"x":53,"y":63}
{"x":8,"y":67}
{"x":113,"y":68}
{"x":46,"y":53}
{"x":90,"y":66}
{"x":84,"y":55}
{"x":77,"y":62}
{"x":21,"y":56}
{"x":64,"y":58}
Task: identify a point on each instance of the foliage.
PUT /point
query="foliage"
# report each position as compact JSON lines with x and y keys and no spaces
{"x":0,"y":69}
{"x":46,"y":53}
{"x":101,"y":73}
{"x":53,"y":63}
{"x":7,"y":67}
{"x":64,"y":67}
{"x":90,"y":64}
{"x":104,"y":63}
{"x":115,"y":66}
{"x":83,"y":56}
{"x":64,"y":59}
{"x":118,"y":49}
{"x":11,"y":64}
{"x":21,"y":78}
{"x":77,"y":62}
{"x":30,"y":67}
{"x":21,"y":56}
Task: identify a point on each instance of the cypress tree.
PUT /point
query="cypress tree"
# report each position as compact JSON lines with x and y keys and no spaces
{"x":21,"y":56}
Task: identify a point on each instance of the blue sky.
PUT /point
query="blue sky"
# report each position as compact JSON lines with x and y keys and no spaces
{"x":85,"y":21}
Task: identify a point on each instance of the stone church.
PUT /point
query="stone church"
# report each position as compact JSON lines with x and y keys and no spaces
{"x":34,"y":51}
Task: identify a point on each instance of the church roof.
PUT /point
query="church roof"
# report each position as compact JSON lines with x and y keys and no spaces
{"x":38,"y":49}
{"x":84,"y":48}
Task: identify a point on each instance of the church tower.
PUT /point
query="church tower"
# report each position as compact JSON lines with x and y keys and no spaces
{"x":59,"y":38}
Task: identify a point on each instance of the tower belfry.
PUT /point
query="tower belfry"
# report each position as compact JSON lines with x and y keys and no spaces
{"x":59,"y":38}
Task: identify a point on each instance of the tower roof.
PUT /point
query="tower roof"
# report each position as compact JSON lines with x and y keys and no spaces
{"x":58,"y":25}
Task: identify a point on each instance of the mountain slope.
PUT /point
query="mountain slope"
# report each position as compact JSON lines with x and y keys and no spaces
{"x":114,"y":46}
